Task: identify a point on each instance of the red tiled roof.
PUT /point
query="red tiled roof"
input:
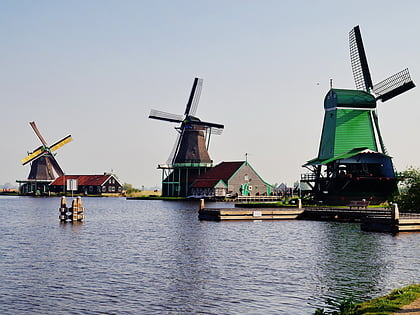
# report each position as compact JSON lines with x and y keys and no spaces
{"x":222,"y":171}
{"x":204,"y":183}
{"x":82,"y":180}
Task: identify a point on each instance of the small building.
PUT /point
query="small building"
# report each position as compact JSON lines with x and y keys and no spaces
{"x":230,"y":179}
{"x":89,"y":184}
{"x":34,"y":187}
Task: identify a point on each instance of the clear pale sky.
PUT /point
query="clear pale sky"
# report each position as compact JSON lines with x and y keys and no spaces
{"x":94,"y":69}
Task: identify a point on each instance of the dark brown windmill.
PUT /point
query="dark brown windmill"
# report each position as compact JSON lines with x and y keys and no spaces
{"x":44,"y":166}
{"x":190,"y":155}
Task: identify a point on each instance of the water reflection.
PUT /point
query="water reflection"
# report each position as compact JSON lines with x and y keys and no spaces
{"x":351,"y":263}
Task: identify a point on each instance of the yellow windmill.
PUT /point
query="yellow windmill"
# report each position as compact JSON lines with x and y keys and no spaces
{"x":44,"y":166}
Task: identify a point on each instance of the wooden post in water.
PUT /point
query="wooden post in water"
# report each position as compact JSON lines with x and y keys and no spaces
{"x":74,"y":213}
{"x":299,"y":203}
{"x":74,"y":209}
{"x":201,"y":204}
{"x":77,"y":209}
{"x":395,"y":213}
{"x":63,"y":209}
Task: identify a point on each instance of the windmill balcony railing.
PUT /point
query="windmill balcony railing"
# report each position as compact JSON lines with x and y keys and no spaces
{"x":308,"y":177}
{"x":192,"y":164}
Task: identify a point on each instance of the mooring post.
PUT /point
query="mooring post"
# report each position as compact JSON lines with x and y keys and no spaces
{"x":63,"y":202}
{"x":201,"y":204}
{"x":299,"y":203}
{"x":74,"y":208}
{"x":395,"y":213}
{"x":63,"y":209}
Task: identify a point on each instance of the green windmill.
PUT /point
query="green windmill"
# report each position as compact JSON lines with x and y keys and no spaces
{"x":352,"y":162}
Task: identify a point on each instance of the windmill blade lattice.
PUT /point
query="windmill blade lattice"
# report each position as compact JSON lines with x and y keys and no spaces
{"x":359,"y":63}
{"x":60,"y":143}
{"x":216,"y":131}
{"x":194,"y":98}
{"x":159,"y":115}
{"x":393,"y":86}
{"x":38,"y":133}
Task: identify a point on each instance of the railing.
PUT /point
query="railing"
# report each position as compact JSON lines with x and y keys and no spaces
{"x":257,"y":198}
{"x":309,"y":177}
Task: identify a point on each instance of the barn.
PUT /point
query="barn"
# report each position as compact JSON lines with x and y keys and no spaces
{"x":230,"y":179}
{"x":89,"y":184}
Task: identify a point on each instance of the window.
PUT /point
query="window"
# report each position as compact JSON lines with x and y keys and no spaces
{"x":103,"y":188}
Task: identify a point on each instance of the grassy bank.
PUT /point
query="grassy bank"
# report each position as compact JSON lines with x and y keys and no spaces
{"x":385,"y":305}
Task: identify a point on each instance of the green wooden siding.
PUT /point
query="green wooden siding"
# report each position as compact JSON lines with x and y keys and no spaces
{"x":349,"y":98}
{"x":344,"y":130}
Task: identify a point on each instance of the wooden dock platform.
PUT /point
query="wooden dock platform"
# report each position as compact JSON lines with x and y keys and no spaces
{"x":401,"y":222}
{"x":371,"y":219}
{"x":219,"y":214}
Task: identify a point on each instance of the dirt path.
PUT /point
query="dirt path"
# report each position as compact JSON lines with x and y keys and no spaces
{"x":410,"y":309}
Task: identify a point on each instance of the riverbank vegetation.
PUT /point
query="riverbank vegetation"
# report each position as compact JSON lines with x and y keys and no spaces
{"x":385,"y":305}
{"x":408,"y":199}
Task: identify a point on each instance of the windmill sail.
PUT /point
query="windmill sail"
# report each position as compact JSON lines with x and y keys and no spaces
{"x":159,"y":115}
{"x":60,"y":143}
{"x":192,"y":104}
{"x":393,"y":86}
{"x":359,"y":62}
{"x":32,"y":156}
{"x":40,"y":137}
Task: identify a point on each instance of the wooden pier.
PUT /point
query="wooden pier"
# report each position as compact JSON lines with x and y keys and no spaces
{"x":371,"y":219}
{"x":342,"y":214}
{"x":219,"y":214}
{"x":392,"y":221}
{"x":249,"y":214}
{"x":247,"y":199}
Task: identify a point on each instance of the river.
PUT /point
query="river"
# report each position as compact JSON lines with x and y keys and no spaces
{"x":156,"y":257}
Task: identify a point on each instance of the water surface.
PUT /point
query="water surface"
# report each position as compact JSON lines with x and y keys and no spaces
{"x":156,"y":257}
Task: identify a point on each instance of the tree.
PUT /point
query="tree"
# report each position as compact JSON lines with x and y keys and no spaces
{"x":129,"y":188}
{"x":409,"y":197}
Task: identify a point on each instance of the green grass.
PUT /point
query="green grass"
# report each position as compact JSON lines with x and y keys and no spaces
{"x":156,"y":198}
{"x":390,"y":303}
{"x":384,"y":305}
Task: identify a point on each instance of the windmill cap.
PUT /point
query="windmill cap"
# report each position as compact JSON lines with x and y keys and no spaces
{"x":349,"y":98}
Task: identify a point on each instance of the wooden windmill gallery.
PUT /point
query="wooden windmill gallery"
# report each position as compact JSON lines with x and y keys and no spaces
{"x":189,"y":157}
{"x":352,"y":161}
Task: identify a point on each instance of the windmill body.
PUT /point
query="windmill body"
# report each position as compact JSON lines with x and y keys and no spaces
{"x":189,"y":157}
{"x":352,"y":161}
{"x":44,"y":166}
{"x":192,"y":147}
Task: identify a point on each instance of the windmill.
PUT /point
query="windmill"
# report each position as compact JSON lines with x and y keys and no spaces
{"x":352,"y":161}
{"x":190,"y":155}
{"x":44,"y":166}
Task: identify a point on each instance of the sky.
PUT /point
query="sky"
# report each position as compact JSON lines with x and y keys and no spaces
{"x":94,"y":69}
